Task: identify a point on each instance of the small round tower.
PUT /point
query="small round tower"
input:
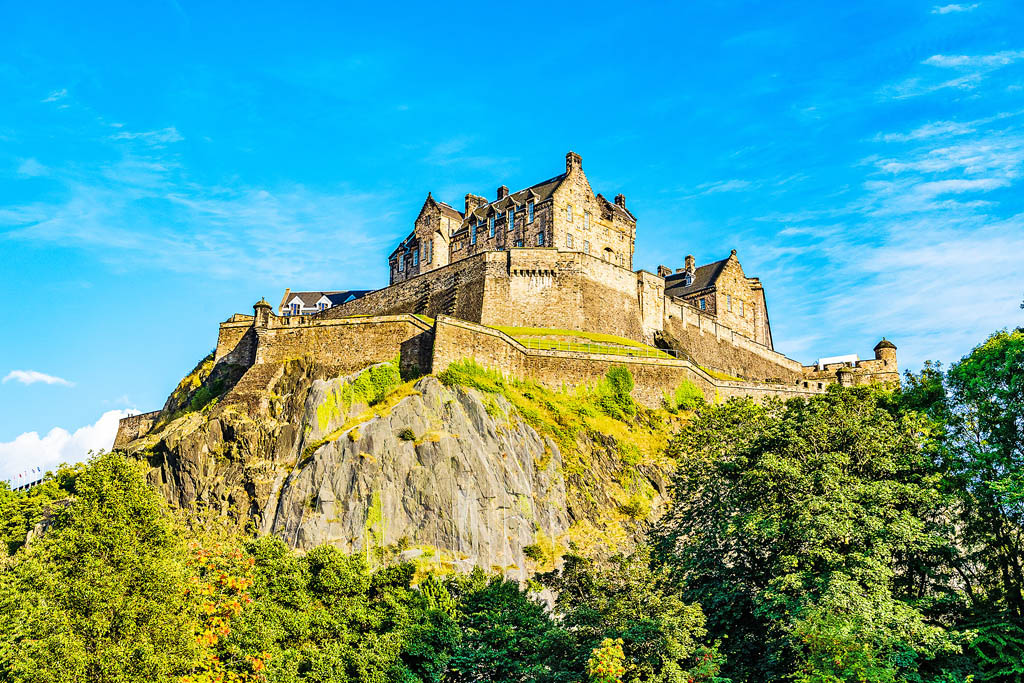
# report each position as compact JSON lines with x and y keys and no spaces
{"x":885,"y":350}
{"x":261,"y":310}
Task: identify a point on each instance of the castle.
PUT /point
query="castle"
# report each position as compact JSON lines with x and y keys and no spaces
{"x":539,"y":283}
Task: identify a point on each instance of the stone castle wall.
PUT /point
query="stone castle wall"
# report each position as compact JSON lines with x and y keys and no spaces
{"x":132,"y":427}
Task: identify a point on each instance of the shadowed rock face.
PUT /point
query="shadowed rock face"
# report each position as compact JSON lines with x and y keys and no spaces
{"x":466,"y":482}
{"x":437,"y":474}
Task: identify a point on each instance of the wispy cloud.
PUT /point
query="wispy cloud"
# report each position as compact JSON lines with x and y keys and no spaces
{"x":156,"y":138}
{"x":31,"y":168}
{"x":56,"y":95}
{"x":993,"y":61}
{"x":972,"y":70}
{"x":34,"y":377}
{"x":950,"y":9}
{"x":144,"y":210}
{"x":30,"y":450}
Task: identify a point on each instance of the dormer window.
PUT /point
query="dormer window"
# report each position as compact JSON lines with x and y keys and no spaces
{"x":687,"y":279}
{"x":323,"y":306}
{"x":294,"y":309}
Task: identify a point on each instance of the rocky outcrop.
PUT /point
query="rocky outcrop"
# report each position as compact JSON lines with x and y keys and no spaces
{"x":444,"y":476}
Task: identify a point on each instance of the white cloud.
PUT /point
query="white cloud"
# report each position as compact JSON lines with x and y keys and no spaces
{"x":29,"y":450}
{"x":945,"y":128}
{"x":948,"y":9}
{"x":33,"y":377}
{"x":56,"y":95}
{"x":993,"y":61}
{"x":156,"y":138}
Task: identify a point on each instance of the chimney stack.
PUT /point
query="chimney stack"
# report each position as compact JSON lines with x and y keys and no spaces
{"x":502,"y":192}
{"x":573,"y":160}
{"x":473,"y":201}
{"x":691,"y":265}
{"x":664,"y":271}
{"x":620,"y":200}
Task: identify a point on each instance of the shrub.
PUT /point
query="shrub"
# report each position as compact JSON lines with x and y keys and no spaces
{"x":407,"y":435}
{"x":687,"y":396}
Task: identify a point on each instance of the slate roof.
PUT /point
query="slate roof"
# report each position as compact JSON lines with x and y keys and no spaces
{"x":703,"y":277}
{"x":539,"y":192}
{"x":309,"y":299}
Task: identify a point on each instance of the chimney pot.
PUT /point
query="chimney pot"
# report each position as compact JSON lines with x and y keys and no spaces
{"x":620,"y":200}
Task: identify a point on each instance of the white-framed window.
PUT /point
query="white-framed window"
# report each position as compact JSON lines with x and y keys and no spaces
{"x":529,"y":212}
{"x":294,"y":309}
{"x":490,"y":225}
{"x":568,"y":240}
{"x":586,"y":220}
{"x":416,"y":257}
{"x":568,"y":213}
{"x":401,"y":262}
{"x":540,"y":239}
{"x":323,"y":306}
{"x":586,"y":246}
{"x":703,"y":305}
{"x":472,"y":233}
{"x":728,"y":302}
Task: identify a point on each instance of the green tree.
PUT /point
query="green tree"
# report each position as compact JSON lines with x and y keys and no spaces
{"x":101,"y":596}
{"x":984,"y":461}
{"x":792,"y":526}
{"x":630,"y":601}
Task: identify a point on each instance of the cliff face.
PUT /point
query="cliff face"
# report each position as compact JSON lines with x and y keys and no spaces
{"x":444,"y":475}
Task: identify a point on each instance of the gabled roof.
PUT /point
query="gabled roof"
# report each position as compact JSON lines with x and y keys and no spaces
{"x":703,"y":277}
{"x":538,"y":193}
{"x":445,"y":209}
{"x":310,"y":299}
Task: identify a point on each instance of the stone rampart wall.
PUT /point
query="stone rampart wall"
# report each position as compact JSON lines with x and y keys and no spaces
{"x":347,"y":345}
{"x":229,"y":336}
{"x":132,"y":427}
{"x":716,"y":346}
{"x":457,"y":340}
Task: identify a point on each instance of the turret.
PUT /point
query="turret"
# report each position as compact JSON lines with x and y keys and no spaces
{"x":885,"y":350}
{"x":261,"y":310}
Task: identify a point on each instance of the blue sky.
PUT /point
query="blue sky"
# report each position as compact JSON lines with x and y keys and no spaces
{"x":164,"y":165}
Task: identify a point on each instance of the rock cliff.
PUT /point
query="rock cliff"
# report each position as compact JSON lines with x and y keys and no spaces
{"x":445,"y":475}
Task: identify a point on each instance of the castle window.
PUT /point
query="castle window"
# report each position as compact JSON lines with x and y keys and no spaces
{"x":472,"y":232}
{"x":586,"y":246}
{"x":586,"y":220}
{"x":529,"y":212}
{"x":323,"y":306}
{"x":416,"y":257}
{"x":568,"y":213}
{"x":703,"y":305}
{"x":295,"y":309}
{"x":401,"y":263}
{"x":490,"y":227}
{"x":728,"y":302}
{"x":511,"y":218}
{"x":568,"y":240}
{"x":430,"y":251}
{"x":540,"y":239}
{"x":741,"y":308}
{"x":519,"y":243}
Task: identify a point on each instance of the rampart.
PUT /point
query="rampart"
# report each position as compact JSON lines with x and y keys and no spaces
{"x":132,"y":427}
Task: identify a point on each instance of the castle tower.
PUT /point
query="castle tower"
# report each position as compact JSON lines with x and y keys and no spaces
{"x":261,"y":313}
{"x":885,"y":350}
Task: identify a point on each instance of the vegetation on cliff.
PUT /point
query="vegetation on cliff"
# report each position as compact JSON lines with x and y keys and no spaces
{"x":861,"y":535}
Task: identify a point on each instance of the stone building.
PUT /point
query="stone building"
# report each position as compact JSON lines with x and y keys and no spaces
{"x":557,"y":256}
{"x":562,"y":212}
{"x":308,"y":303}
{"x":722,"y":289}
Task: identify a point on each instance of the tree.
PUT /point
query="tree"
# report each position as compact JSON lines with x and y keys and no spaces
{"x":633,"y":603}
{"x":985,"y":467}
{"x":101,"y":597}
{"x":791,"y":526}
